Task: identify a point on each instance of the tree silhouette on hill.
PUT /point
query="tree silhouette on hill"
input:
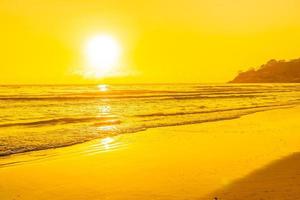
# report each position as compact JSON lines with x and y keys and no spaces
{"x":274,"y":71}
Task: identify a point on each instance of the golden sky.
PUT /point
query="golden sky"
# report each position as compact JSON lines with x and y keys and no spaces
{"x":161,"y":40}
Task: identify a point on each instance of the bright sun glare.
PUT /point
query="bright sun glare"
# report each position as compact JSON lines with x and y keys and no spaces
{"x":103,"y":54}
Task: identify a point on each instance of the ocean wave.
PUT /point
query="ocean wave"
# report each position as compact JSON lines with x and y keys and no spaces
{"x":160,"y":97}
{"x":6,"y":150}
{"x":37,"y":118}
{"x":204,"y":111}
{"x":66,"y":120}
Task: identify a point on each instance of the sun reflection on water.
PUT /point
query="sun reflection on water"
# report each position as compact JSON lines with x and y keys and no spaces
{"x":108,"y":128}
{"x":107,"y":143}
{"x":107,"y":124}
{"x":103,"y":88}
{"x":104,"y":110}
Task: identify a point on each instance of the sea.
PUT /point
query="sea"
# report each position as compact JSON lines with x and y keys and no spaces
{"x":37,"y":117}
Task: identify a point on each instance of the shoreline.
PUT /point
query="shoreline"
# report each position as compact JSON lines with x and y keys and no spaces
{"x":250,"y":112}
{"x":178,"y":162}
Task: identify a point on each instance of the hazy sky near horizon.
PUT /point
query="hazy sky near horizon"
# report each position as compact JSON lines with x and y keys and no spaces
{"x":161,"y":40}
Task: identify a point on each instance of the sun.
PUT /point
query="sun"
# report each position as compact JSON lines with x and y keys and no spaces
{"x":103,"y":54}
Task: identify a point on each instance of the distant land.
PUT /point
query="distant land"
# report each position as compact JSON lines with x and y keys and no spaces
{"x":274,"y":71}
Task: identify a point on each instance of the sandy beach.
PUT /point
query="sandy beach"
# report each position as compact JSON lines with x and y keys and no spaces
{"x":253,"y":157}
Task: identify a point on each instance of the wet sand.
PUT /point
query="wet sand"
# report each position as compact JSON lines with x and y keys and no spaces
{"x":248,"y":158}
